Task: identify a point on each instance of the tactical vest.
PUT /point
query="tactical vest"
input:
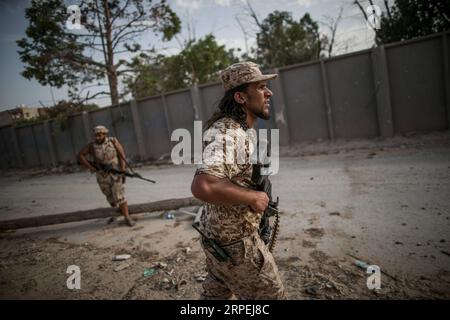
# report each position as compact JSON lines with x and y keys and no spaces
{"x":105,"y":153}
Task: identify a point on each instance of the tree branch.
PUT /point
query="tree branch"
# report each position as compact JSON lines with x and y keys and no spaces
{"x":125,"y":71}
{"x":93,"y":96}
{"x":388,"y":10}
{"x":120,"y":12}
{"x":126,"y":26}
{"x":135,"y":31}
{"x":361,"y":8}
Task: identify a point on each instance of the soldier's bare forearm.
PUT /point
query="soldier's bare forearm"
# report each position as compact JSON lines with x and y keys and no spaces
{"x":85,"y":163}
{"x":122,"y":165}
{"x":221,"y":191}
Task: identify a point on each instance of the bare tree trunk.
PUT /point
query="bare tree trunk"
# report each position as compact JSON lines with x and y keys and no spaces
{"x":244,"y":32}
{"x":111,"y":69}
{"x":361,"y":8}
{"x":333,"y":28}
{"x":254,"y":16}
{"x":365,"y":15}
{"x":113,"y":85}
{"x":388,"y":10}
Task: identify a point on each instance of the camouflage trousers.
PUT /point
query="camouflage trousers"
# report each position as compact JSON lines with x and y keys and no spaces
{"x":249,"y":274}
{"x":112,"y":187}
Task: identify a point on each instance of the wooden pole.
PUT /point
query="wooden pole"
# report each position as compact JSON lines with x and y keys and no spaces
{"x":169,"y":204}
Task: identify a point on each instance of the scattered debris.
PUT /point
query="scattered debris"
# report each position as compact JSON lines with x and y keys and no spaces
{"x":160,"y":265}
{"x":363,"y":265}
{"x":180,"y":283}
{"x":187,"y":250}
{"x":122,"y":257}
{"x":334,"y":213}
{"x":149,"y":272}
{"x":122,"y":267}
{"x":170,"y":215}
{"x":200,"y":277}
{"x":312,"y":289}
{"x":170,"y":272}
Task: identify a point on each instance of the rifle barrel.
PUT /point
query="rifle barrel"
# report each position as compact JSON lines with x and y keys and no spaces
{"x":129,"y":174}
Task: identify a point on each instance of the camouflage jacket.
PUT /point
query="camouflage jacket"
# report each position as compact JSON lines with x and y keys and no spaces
{"x":228,"y":223}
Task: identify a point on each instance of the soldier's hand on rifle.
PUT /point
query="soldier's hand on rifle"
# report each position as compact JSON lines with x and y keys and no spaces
{"x":92,"y":169}
{"x":259,"y":202}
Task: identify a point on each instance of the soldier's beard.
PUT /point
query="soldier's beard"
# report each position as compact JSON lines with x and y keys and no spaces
{"x":100,"y":140}
{"x":262,"y":115}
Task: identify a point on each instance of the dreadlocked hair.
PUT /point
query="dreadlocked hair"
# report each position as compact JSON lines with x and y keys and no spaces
{"x":228,"y":107}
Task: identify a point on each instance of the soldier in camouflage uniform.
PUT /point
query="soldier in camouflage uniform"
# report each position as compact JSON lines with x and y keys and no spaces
{"x":108,"y":151}
{"x":234,"y":209}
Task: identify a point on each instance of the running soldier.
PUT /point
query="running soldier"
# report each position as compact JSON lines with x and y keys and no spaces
{"x":107,"y":151}
{"x":233,"y":208}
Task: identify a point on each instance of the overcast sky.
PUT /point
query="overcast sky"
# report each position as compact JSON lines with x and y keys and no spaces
{"x":204,"y":16}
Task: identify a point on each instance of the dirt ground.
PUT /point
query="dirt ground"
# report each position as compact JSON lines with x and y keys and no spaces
{"x":385,"y":202}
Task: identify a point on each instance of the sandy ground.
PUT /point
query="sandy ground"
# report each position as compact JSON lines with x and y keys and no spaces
{"x":384,"y":201}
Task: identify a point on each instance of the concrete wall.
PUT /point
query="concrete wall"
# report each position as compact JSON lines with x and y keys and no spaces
{"x":211,"y":95}
{"x":154,"y":121}
{"x":305,"y":102}
{"x":383,"y":91}
{"x":122,"y":128}
{"x":9,"y":155}
{"x":416,"y":73}
{"x":42,"y":145}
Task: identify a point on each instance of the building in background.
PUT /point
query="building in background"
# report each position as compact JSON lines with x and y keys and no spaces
{"x":21,"y":112}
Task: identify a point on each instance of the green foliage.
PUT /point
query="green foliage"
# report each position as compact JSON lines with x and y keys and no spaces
{"x":199,"y":62}
{"x":56,"y":56}
{"x":28,"y":122}
{"x":67,"y":108}
{"x":283,"y":41}
{"x":47,"y":48}
{"x":408,"y":19}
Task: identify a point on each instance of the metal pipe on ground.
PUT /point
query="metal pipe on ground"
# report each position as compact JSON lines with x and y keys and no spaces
{"x":168,"y":204}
